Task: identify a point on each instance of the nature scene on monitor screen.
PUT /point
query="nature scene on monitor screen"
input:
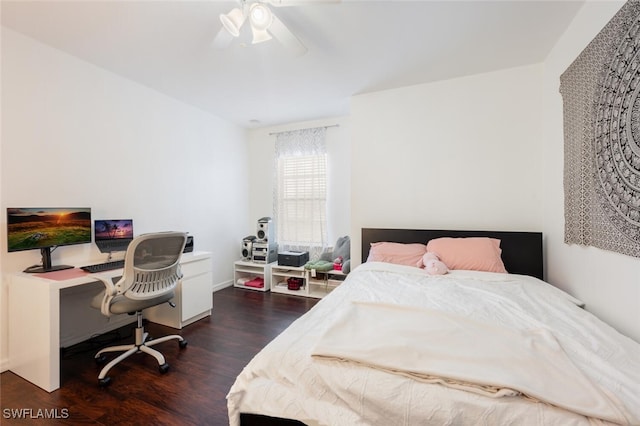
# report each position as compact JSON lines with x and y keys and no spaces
{"x":35,"y":228}
{"x":113,"y":229}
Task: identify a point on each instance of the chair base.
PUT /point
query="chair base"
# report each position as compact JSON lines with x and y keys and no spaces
{"x":141,"y":345}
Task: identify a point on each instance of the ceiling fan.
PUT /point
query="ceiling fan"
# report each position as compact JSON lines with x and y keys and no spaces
{"x":264,"y":24}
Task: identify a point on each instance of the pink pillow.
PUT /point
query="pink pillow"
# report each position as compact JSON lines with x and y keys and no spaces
{"x":398,"y":253}
{"x":473,"y":253}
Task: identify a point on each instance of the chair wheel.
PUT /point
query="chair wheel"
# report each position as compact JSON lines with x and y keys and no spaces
{"x":104,"y":382}
{"x":101,"y":359}
{"x":182,"y":344}
{"x":163,"y":368}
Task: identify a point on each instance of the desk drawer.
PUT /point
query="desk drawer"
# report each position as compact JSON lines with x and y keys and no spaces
{"x":196,"y":267}
{"x":197,"y":295}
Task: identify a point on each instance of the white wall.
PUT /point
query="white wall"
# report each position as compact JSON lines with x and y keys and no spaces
{"x":76,"y":135}
{"x":486,"y":152}
{"x":609,"y":283}
{"x":455,"y":154}
{"x":261,"y":164}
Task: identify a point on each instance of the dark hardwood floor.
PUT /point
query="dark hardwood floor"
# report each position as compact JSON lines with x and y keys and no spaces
{"x":191,"y":393}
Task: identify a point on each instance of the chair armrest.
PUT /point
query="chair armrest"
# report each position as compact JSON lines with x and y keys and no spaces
{"x":110,"y":288}
{"x":109,"y":292}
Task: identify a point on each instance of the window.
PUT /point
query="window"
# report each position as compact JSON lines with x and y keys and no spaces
{"x":300,"y":190}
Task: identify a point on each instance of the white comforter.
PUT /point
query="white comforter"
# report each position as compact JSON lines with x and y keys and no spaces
{"x":284,"y":380}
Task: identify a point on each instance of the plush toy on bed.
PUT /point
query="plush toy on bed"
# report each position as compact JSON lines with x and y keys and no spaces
{"x":432,"y":265}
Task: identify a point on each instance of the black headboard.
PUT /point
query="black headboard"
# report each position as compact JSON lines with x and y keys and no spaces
{"x":521,"y":251}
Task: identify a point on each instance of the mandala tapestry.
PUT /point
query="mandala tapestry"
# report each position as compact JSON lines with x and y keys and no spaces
{"x":600,"y":92}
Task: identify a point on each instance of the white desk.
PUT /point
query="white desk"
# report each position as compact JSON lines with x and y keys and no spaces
{"x":34,"y":315}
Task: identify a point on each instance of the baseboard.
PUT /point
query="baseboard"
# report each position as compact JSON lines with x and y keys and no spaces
{"x":4,"y":365}
{"x":220,"y":286}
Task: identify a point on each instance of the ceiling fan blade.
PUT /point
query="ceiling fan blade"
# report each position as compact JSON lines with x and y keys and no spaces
{"x":283,"y":3}
{"x":286,"y":37}
{"x":222,"y":40}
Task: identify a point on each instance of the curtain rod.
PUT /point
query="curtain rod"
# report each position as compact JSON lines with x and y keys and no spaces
{"x":306,"y":128}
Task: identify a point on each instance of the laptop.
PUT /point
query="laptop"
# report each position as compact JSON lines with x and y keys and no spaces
{"x":113,"y":235}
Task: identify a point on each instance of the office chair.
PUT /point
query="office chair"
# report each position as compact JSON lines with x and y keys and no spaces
{"x":150,"y":275}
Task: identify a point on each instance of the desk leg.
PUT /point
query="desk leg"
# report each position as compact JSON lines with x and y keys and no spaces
{"x":34,"y":331}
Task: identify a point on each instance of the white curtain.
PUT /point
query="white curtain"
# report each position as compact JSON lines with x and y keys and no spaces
{"x":300,"y":191}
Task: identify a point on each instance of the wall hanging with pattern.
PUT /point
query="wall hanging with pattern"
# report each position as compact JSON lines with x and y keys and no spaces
{"x":601,"y":96}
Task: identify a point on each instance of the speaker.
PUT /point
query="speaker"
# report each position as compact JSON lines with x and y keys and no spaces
{"x":247,"y":247}
{"x":266,"y":230}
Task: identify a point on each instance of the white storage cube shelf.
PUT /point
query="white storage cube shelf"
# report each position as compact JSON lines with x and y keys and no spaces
{"x":314,"y":284}
{"x":245,"y":271}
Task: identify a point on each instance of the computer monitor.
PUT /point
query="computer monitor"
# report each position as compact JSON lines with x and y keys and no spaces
{"x":45,"y":229}
{"x":113,"y":235}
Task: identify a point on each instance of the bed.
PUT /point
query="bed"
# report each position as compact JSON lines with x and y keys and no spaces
{"x":394,"y":345}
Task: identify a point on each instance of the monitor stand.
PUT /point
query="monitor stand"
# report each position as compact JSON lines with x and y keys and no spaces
{"x":46,"y":263}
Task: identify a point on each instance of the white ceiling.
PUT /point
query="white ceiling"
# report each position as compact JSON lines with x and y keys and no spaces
{"x":353,"y":47}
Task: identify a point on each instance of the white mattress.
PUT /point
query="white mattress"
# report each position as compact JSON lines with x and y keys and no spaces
{"x":284,"y":380}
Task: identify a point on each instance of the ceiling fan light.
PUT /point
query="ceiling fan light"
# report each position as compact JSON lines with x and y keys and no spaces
{"x":232,"y":21}
{"x":260,"y":35}
{"x":260,"y":17}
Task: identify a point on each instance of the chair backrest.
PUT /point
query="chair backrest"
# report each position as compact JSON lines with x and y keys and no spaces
{"x":152,"y":265}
